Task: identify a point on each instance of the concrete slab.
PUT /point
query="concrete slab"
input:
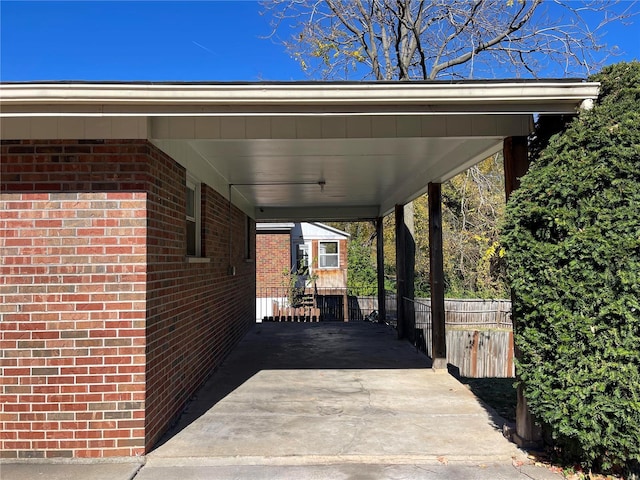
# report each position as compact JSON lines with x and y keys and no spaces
{"x":318,"y":401}
{"x":344,"y":412}
{"x":70,"y":471}
{"x":346,"y":472}
{"x":333,"y":400}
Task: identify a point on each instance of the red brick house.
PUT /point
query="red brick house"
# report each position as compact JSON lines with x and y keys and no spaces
{"x":127,"y":225}
{"x":312,"y":251}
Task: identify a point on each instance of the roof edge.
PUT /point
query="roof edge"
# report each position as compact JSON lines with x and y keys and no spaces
{"x":398,"y":93}
{"x":295,"y":82}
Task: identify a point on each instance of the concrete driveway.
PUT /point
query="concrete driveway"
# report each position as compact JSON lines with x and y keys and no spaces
{"x":323,"y":401}
{"x":332,"y":400}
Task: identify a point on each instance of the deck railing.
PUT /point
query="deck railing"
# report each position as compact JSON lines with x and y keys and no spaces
{"x":314,"y":304}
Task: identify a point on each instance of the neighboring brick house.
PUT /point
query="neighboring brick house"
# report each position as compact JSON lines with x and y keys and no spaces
{"x":273,"y":256}
{"x":110,"y":316}
{"x":314,"y":252}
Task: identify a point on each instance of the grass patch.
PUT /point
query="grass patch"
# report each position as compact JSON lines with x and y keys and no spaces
{"x":498,"y":393}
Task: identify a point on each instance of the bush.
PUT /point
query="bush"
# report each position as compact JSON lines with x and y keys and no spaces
{"x":572,"y":239}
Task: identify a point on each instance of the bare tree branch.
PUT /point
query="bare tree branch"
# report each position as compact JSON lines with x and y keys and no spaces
{"x":429,"y":39}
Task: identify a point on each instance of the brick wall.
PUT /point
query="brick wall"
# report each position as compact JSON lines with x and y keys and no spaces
{"x":196,"y":311}
{"x":105,"y":335}
{"x":273,"y":256}
{"x":72,"y":281}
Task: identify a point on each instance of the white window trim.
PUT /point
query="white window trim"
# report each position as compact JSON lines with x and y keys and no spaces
{"x":195,"y":185}
{"x":337,"y":242}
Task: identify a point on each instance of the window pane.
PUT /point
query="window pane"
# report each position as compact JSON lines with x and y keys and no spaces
{"x":328,"y":247}
{"x":328,"y":255}
{"x":191,"y":202}
{"x":191,"y":238}
{"x":328,"y":261}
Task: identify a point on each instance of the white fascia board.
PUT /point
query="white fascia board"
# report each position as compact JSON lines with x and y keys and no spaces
{"x":232,"y":99}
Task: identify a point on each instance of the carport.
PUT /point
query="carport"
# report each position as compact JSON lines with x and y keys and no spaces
{"x":312,"y":151}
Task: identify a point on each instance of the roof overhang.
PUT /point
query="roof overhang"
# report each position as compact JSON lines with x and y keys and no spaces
{"x":300,"y":151}
{"x":115,"y":99}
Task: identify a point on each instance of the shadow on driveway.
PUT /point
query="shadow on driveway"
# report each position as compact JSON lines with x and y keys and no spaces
{"x":301,"y":346}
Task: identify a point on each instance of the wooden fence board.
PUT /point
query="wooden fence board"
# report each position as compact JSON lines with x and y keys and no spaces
{"x":479,"y":335}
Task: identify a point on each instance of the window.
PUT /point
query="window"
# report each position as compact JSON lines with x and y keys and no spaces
{"x":194,"y":234}
{"x":328,"y":255}
{"x":302,"y":259}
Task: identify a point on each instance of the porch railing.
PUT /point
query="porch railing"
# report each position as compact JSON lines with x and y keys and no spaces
{"x":314,"y":304}
{"x":422,"y":326}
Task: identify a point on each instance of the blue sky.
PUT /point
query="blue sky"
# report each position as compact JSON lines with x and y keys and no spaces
{"x":138,"y":40}
{"x":159,"y":41}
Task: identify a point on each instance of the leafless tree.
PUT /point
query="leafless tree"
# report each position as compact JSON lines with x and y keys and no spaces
{"x":436,"y":39}
{"x":450,"y":39}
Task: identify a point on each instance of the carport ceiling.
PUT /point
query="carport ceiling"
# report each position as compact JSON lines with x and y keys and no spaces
{"x":331,"y":178}
{"x":315,"y":151}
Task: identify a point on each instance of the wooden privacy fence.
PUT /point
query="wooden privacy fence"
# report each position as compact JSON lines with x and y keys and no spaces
{"x":481,"y":353}
{"x":479,"y":335}
{"x":469,"y":312}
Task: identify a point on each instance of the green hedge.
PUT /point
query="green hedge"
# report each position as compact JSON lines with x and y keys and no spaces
{"x":572,"y":239}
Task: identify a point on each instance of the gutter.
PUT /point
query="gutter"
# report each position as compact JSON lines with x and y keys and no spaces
{"x":230,"y":95}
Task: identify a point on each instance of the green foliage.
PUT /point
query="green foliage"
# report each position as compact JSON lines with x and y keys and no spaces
{"x":572,"y":238}
{"x":362,"y":278}
{"x":472,"y":205}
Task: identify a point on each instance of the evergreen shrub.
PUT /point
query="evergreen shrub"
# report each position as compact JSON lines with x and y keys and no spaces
{"x":572,"y":240}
